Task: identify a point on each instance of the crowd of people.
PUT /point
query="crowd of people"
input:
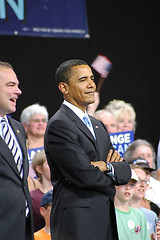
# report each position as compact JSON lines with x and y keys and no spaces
{"x":120,"y":116}
{"x":72,"y":168}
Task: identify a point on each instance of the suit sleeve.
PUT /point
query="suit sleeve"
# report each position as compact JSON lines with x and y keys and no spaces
{"x":63,"y":147}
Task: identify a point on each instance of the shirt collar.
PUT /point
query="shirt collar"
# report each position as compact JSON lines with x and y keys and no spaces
{"x":75,"y":109}
{"x":5,"y":118}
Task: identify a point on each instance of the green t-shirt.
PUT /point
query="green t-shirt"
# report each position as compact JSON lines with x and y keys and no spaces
{"x":132,"y":225}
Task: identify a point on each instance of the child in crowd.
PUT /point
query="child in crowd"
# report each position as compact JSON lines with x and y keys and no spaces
{"x":135,"y":202}
{"x":41,"y":168}
{"x":131,"y":222}
{"x":45,"y":210}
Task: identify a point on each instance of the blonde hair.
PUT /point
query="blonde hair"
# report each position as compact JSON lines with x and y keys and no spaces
{"x":117,"y":107}
{"x":38,"y":160}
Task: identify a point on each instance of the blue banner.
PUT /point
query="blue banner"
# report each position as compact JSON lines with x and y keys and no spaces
{"x":121,"y":140}
{"x":47,"y":18}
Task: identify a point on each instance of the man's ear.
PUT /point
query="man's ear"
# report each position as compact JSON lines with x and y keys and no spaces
{"x":63,"y":87}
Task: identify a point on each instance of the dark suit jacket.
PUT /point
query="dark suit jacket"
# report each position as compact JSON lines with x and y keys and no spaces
{"x":14,"y":191}
{"x":83,"y":206}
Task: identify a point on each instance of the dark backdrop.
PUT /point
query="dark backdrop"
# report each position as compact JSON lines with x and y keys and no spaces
{"x":125,"y":32}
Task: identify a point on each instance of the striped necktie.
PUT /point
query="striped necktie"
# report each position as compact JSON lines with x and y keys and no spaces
{"x":9,"y":140}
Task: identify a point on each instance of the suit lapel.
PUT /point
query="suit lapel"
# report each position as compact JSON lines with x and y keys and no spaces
{"x":79,"y":124}
{"x":18,"y":135}
{"x":7,"y":155}
{"x":21,"y":141}
{"x":97,"y":129}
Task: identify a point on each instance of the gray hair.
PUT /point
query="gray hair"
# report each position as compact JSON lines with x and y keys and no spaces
{"x":134,"y":145}
{"x":101,"y":112}
{"x":32,"y":110}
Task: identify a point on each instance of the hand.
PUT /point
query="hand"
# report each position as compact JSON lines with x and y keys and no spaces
{"x":101,"y":165}
{"x":115,"y":157}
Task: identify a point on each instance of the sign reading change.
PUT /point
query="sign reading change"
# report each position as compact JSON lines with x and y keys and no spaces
{"x":121,"y":140}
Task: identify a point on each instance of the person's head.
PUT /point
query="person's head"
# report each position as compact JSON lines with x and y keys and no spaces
{"x":9,"y":89}
{"x":34,"y":119}
{"x":107,"y":118}
{"x":40,"y":166}
{"x":142,"y":184}
{"x":45,"y":207}
{"x":143,"y":164}
{"x":125,"y":192}
{"x":76,"y":81}
{"x":124,"y":114}
{"x":141,"y":149}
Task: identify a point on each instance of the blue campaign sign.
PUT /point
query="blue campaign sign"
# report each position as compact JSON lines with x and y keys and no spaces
{"x":47,"y":18}
{"x":121,"y":140}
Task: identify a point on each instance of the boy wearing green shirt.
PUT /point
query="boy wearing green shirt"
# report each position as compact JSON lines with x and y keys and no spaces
{"x":131,"y":222}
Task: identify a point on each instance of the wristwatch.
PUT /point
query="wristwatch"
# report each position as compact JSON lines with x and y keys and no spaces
{"x":109,"y":167}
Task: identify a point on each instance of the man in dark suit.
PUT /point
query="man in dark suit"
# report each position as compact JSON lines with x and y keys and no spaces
{"x":84,"y":166}
{"x":15,"y":201}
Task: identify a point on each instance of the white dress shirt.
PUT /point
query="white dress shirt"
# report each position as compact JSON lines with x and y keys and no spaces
{"x":80,"y":114}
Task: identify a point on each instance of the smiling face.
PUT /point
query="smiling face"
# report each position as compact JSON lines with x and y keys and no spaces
{"x":36,"y":126}
{"x":9,"y":91}
{"x":80,"y":91}
{"x":144,"y":152}
{"x":141,"y":187}
{"x":125,"y":123}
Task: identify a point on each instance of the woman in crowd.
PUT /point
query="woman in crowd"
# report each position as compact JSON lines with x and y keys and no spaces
{"x":124,"y":114}
{"x":34,"y":119}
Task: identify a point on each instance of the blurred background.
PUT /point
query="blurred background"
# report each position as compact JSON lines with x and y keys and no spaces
{"x":127,"y":32}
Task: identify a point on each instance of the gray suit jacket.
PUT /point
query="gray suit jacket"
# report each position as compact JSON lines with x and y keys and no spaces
{"x":14,"y":191}
{"x":83,"y":205}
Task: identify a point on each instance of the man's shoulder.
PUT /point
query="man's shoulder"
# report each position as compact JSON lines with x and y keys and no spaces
{"x":10,"y":119}
{"x":14,"y":122}
{"x":16,"y":125}
{"x":63,"y":114}
{"x":58,"y":116}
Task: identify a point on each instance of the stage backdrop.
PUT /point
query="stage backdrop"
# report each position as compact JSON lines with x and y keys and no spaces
{"x":47,"y":18}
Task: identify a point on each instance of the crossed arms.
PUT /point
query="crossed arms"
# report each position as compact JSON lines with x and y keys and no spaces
{"x":111,"y":157}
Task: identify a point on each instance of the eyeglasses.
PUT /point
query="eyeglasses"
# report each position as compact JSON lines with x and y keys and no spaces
{"x":145,"y":181}
{"x":36,"y":120}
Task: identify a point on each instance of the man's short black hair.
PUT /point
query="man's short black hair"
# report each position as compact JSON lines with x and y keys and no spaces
{"x":63,"y":72}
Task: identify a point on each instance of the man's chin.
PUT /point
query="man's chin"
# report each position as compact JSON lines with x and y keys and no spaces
{"x":11,"y":110}
{"x":91,"y":101}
